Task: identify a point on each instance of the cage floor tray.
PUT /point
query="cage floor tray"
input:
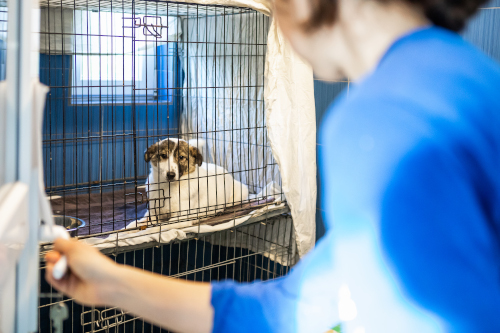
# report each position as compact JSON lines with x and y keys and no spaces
{"x":112,"y":211}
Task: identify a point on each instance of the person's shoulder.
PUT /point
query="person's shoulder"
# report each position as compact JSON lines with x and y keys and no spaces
{"x":429,"y":82}
{"x":436,"y":53}
{"x":360,"y":113}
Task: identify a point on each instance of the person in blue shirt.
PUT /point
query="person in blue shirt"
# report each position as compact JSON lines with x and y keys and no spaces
{"x":410,"y":167}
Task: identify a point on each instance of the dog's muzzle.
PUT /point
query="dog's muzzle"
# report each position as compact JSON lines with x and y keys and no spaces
{"x":170,"y":176}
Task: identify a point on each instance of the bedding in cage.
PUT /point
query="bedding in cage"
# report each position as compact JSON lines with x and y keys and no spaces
{"x":127,"y":74}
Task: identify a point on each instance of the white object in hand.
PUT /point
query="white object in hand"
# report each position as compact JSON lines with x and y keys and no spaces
{"x":61,"y":266}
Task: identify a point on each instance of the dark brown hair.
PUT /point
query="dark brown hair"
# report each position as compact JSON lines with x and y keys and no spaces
{"x":449,"y":14}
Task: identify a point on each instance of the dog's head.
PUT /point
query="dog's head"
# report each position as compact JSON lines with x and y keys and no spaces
{"x":173,"y":158}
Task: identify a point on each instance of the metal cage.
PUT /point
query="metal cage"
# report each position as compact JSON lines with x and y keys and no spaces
{"x":125,"y":74}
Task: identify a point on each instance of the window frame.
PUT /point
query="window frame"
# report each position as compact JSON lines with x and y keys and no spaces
{"x":90,"y":92}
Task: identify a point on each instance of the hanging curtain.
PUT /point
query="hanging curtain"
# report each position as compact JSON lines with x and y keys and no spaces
{"x":228,"y":110}
{"x":56,"y":30}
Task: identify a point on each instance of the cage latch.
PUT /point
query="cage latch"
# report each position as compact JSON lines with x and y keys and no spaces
{"x":151,"y":25}
{"x":103,"y":320}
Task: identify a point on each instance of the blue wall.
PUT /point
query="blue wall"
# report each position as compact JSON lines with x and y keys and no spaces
{"x":483,"y":31}
{"x":324,"y":93}
{"x":94,"y":143}
{"x":3,"y":58}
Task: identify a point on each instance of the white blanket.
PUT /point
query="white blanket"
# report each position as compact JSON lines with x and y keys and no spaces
{"x":179,"y":231}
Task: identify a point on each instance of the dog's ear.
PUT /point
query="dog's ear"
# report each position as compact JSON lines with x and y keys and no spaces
{"x":195,"y":152}
{"x":151,"y":152}
{"x":198,"y":143}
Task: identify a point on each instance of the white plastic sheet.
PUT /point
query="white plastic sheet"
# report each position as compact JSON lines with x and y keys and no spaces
{"x":13,"y":227}
{"x":13,"y":236}
{"x":291,"y":125}
{"x":13,"y":218}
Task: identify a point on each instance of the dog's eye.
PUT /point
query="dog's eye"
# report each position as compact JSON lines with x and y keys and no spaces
{"x":164,"y":156}
{"x":182,"y":158}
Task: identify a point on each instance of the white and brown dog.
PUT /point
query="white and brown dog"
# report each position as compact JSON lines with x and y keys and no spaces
{"x":181,"y":185}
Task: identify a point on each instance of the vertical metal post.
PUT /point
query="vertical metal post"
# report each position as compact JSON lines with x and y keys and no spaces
{"x":8,"y":142}
{"x":23,"y":59}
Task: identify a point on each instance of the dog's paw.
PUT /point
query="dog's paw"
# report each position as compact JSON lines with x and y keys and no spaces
{"x":142,"y":224}
{"x":134,"y":225}
{"x":195,"y":222}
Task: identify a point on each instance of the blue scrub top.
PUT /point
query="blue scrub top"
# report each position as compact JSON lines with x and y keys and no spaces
{"x":410,"y":165}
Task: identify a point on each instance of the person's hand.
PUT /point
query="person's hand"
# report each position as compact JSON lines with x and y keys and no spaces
{"x":94,"y":279}
{"x":91,"y":277}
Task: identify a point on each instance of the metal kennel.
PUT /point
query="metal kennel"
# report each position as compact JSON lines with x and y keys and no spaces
{"x":124,"y":74}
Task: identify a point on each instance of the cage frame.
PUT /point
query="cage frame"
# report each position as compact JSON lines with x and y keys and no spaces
{"x":263,"y":221}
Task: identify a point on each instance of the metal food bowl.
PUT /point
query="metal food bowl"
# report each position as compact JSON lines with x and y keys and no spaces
{"x":72,"y":224}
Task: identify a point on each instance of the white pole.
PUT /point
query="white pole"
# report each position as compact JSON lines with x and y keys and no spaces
{"x":25,"y":18}
{"x":9,"y":152}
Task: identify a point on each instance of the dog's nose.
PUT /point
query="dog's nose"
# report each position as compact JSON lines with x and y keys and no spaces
{"x":170,"y":175}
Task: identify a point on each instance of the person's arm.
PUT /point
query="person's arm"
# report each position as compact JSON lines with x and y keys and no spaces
{"x":280,"y":305}
{"x":94,"y":279}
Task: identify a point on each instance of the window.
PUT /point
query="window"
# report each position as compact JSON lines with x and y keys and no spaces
{"x":116,"y":62}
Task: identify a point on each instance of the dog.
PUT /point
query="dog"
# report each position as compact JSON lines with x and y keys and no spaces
{"x":181,"y":186}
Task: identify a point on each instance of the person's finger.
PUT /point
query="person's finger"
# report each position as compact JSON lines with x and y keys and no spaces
{"x":52,"y":257}
{"x":65,"y":246}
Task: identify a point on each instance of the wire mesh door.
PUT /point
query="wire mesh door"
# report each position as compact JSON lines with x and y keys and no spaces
{"x":125,"y":75}
{"x":103,"y":95}
{"x":132,"y":81}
